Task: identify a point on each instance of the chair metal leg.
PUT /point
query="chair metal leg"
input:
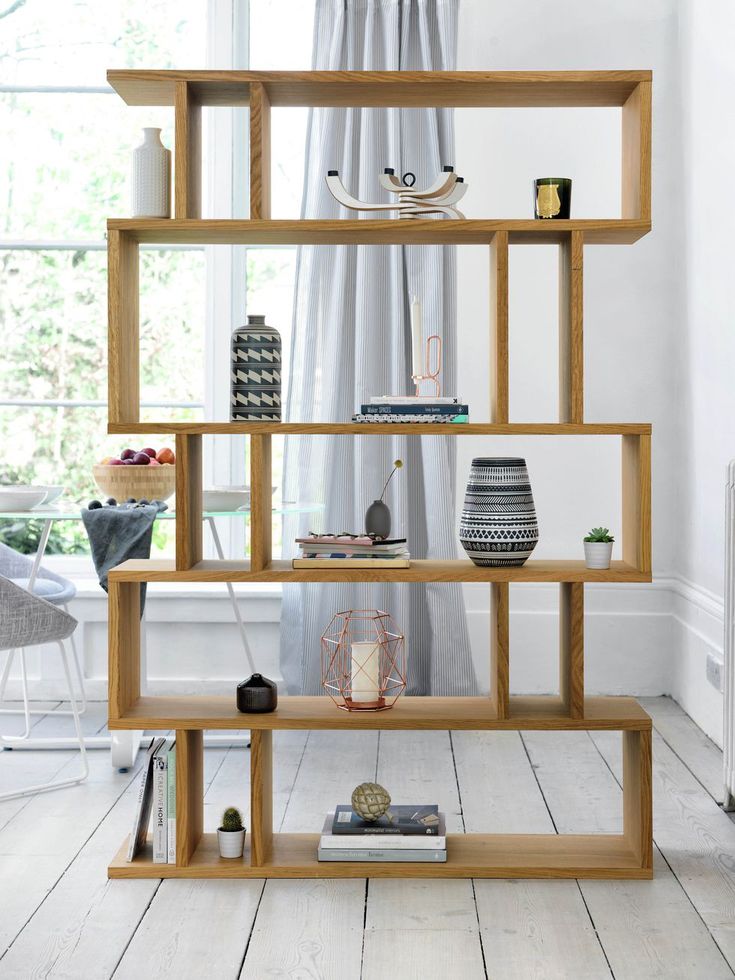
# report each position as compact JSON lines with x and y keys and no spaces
{"x":44,"y":711}
{"x":26,"y":712}
{"x":74,"y":780}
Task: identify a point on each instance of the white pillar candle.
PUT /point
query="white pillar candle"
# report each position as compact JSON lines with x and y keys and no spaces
{"x":365,"y":671}
{"x":416,"y":345}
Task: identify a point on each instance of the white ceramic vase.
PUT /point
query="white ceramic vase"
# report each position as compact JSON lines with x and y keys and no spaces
{"x":597,"y":554}
{"x":231,"y":843}
{"x":150,"y":177}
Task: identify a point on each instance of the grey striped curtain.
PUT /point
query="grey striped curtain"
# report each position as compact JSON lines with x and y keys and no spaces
{"x":351,"y":339}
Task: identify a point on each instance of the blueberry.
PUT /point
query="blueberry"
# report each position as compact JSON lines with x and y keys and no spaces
{"x":94,"y":504}
{"x":143,"y":501}
{"x":111,"y":502}
{"x":130,"y":500}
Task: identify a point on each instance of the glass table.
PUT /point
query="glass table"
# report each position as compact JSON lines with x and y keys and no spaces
{"x":125,"y":744}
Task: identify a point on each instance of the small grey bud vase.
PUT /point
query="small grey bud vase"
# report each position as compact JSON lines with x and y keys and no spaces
{"x":377,"y":519}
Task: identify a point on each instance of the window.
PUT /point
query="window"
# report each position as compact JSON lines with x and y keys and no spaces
{"x":65,"y":170}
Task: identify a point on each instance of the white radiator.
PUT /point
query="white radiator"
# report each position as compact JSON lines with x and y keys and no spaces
{"x":729,"y":644}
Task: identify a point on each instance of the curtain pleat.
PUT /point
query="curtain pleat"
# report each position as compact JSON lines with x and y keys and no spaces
{"x":351,"y":340}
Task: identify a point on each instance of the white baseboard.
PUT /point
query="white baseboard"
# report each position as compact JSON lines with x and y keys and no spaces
{"x":698,"y":627}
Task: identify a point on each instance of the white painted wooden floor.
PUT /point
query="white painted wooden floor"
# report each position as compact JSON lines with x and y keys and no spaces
{"x":61,"y":917}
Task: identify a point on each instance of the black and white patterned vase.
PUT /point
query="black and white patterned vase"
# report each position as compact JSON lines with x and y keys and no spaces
{"x":255,"y":372}
{"x":498,"y":525}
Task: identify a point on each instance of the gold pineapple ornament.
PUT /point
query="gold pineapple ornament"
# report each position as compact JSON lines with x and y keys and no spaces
{"x":370,"y":801}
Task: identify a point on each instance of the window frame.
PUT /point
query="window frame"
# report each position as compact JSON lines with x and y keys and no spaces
{"x":226,"y":190}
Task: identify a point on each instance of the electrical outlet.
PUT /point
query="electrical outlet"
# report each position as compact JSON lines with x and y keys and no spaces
{"x":715,"y":669}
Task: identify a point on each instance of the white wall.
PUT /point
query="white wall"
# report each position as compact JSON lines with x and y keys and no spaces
{"x":707,"y":350}
{"x":659,"y":345}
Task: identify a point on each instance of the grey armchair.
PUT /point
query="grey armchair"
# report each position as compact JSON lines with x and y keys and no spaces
{"x":28,"y":620}
{"x":57,"y":590}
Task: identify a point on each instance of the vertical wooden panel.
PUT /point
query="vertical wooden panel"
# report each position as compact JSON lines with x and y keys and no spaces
{"x":123,"y":357}
{"x":188,"y":501}
{"x":571,"y":647}
{"x":571,"y":349}
{"x":500,"y":648}
{"x":189,"y":793}
{"x":123,"y":648}
{"x":188,"y":153}
{"x":636,"y":480}
{"x":636,"y":169}
{"x":261,"y":796}
{"x":499,"y":356}
{"x":260,"y":151}
{"x":261,"y":506}
{"x":638,"y":795}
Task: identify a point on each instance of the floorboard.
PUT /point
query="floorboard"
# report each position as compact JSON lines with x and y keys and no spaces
{"x":698,"y":752}
{"x":61,"y":917}
{"x":322,"y":934}
{"x":530,"y":929}
{"x":415,"y":927}
{"x":84,"y":924}
{"x":696,"y":838}
{"x":168,"y":942}
{"x":647,"y":928}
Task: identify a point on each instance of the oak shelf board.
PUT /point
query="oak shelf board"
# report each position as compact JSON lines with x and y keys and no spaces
{"x":371,"y":231}
{"x":383,"y":88}
{"x":382,"y":428}
{"x":421,"y":570}
{"x":299,"y":713}
{"x":468,"y":856}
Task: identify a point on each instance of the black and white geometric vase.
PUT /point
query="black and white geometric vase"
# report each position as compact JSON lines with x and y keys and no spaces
{"x":498,"y":525}
{"x":255,"y":374}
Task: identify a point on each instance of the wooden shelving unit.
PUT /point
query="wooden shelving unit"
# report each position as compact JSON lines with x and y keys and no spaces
{"x":626,"y":855}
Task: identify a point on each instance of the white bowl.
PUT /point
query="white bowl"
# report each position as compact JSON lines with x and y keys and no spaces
{"x":225,"y":498}
{"x":21,"y":498}
{"x":52,"y":493}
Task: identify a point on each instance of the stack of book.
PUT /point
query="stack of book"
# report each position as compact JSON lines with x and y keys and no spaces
{"x":413,"y":408}
{"x":351,"y":551}
{"x":405,"y":833}
{"x":156,"y":803}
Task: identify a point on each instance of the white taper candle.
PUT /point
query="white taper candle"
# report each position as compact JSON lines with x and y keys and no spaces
{"x":416,"y":338}
{"x":365,"y":671}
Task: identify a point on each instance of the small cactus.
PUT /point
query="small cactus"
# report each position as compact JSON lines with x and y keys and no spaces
{"x":600,"y":535}
{"x":231,"y":819}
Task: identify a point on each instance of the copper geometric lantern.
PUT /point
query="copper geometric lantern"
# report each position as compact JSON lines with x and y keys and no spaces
{"x":363,"y":660}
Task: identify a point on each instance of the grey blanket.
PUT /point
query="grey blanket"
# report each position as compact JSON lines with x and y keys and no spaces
{"x":118,"y":533}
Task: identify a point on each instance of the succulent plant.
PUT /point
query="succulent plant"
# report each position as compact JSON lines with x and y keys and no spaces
{"x":231,"y":819}
{"x":600,"y":535}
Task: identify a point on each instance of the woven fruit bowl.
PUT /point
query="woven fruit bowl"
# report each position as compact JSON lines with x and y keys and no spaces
{"x":141,"y":482}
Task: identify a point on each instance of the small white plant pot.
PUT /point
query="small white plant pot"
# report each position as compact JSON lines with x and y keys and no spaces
{"x":231,"y":843}
{"x":597,"y":554}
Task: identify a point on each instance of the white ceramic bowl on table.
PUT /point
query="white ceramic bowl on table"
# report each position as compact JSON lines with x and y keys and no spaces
{"x":20,"y":498}
{"x":225,"y":498}
{"x":52,"y":494}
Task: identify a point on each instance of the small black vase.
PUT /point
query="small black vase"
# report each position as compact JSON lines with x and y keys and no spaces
{"x":257,"y":694}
